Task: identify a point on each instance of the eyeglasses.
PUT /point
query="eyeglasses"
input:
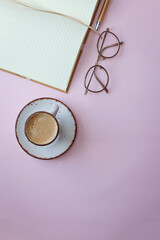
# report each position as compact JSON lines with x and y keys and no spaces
{"x":97,"y":71}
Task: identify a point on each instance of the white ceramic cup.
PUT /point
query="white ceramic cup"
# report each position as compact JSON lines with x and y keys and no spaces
{"x":41,"y":127}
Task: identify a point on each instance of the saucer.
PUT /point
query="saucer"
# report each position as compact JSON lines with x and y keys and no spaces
{"x":67,"y":126}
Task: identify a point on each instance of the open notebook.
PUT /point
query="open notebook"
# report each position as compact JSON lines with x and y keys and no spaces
{"x":41,"y":46}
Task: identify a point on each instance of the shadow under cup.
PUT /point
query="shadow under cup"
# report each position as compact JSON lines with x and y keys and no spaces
{"x":41,"y":128}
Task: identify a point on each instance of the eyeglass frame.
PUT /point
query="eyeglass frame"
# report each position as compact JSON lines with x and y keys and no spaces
{"x":100,"y":50}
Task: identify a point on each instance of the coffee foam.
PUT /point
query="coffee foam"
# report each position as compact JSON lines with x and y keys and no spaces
{"x":41,"y":128}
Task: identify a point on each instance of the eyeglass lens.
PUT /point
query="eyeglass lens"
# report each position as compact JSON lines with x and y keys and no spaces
{"x":100,"y":79}
{"x":108,"y":44}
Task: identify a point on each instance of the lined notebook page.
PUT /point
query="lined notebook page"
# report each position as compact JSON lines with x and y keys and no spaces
{"x":80,"y":9}
{"x":39,"y":46}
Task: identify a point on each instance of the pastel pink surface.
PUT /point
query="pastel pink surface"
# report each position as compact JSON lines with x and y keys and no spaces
{"x":107,"y":185}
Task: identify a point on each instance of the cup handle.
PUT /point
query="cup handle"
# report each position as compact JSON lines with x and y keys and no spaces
{"x":54,"y":109}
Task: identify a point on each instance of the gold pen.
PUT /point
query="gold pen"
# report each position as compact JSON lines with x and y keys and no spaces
{"x":102,"y":13}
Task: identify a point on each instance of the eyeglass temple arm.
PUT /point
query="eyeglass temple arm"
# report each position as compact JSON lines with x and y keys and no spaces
{"x":105,"y":88}
{"x":109,"y":46}
{"x":113,"y":45}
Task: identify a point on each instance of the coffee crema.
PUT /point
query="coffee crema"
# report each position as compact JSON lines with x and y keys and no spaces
{"x":41,"y":128}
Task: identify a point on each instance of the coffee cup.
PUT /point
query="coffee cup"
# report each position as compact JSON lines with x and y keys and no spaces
{"x":42,"y":128}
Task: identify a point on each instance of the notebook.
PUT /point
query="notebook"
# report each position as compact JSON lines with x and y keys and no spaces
{"x":41,"y":46}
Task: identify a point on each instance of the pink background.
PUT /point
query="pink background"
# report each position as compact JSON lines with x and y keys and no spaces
{"x":107,"y":185}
